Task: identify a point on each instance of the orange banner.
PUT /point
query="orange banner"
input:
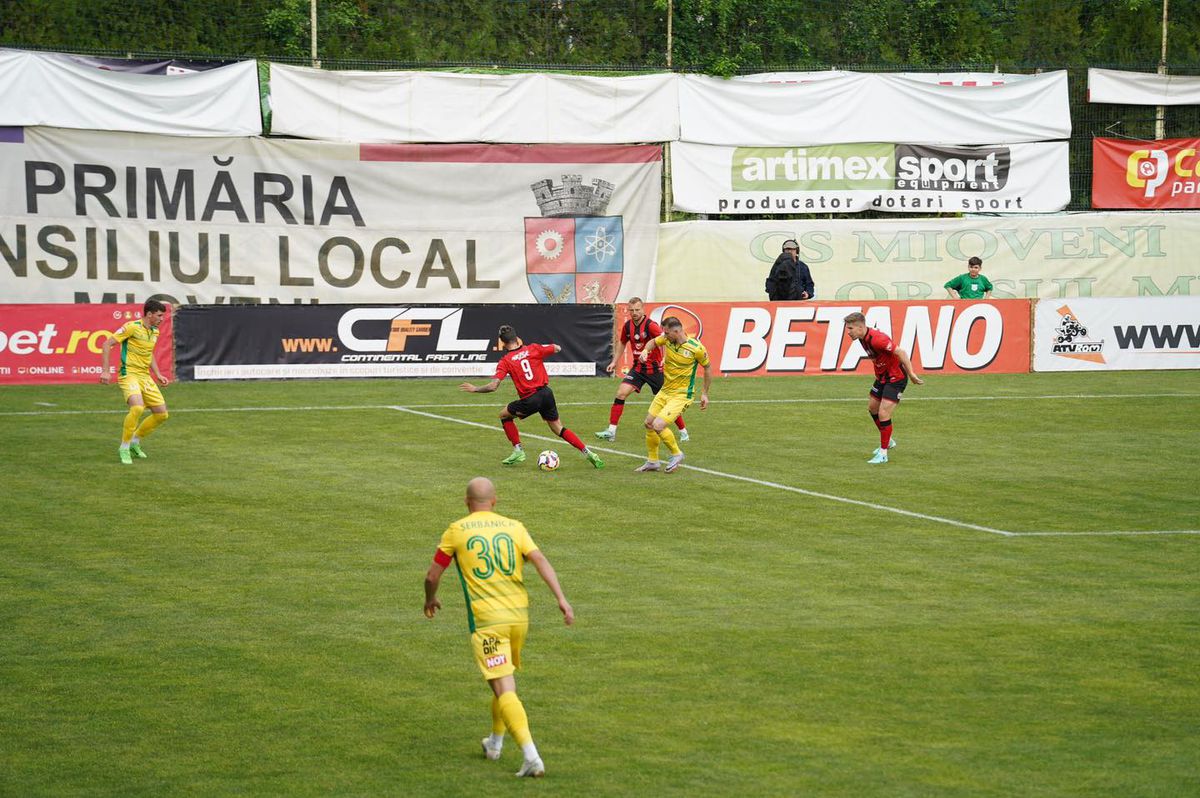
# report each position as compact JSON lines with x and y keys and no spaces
{"x":764,"y":338}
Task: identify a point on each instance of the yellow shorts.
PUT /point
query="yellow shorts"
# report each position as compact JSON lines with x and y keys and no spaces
{"x":143,"y":384}
{"x":498,"y":649}
{"x":668,"y":408}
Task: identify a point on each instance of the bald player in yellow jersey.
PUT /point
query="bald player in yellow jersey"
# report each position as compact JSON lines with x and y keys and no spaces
{"x":489,"y":550}
{"x":681,"y":357}
{"x":137,"y":340}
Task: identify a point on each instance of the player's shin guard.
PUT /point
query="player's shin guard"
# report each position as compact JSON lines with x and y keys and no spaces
{"x":614,"y":415}
{"x":150,"y":424}
{"x":652,"y":441}
{"x":679,"y":422}
{"x":130,"y":424}
{"x":571,"y":438}
{"x":510,"y":431}
{"x":885,"y":434}
{"x":513,"y":712}
{"x":668,"y":438}
{"x":497,"y":718}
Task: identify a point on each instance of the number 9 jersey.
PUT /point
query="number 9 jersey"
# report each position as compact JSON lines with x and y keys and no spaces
{"x":489,"y":550}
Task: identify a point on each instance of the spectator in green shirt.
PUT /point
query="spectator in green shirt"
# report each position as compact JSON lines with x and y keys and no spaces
{"x":971,"y":285}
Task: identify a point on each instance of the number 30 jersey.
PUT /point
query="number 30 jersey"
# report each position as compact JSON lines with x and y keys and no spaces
{"x":489,"y":550}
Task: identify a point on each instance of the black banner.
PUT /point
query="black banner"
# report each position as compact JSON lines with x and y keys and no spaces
{"x":215,"y":342}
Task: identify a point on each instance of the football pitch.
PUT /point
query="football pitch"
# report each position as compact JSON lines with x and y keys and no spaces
{"x":1011,"y":606}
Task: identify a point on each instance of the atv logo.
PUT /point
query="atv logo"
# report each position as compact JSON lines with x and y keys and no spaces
{"x":1071,"y":339}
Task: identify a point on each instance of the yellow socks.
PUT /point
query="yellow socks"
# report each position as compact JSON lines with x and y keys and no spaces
{"x":152,"y":421}
{"x":652,"y":441}
{"x":513,"y":712}
{"x":669,"y":439}
{"x":497,"y":718}
{"x":130,"y":424}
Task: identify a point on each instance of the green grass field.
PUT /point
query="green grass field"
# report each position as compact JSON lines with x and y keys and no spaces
{"x":241,"y":613}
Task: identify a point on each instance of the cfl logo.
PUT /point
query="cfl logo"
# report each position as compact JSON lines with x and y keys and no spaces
{"x":1146,"y":169}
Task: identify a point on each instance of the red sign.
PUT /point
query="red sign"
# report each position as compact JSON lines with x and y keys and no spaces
{"x":48,"y":344}
{"x":763,"y":338}
{"x":1145,"y":174}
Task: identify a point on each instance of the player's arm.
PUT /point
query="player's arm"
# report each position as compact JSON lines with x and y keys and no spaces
{"x":432,"y":578}
{"x":618,"y":353}
{"x":491,"y":386}
{"x":546,"y":571}
{"x":907,"y":365}
{"x":112,"y":343}
{"x":651,"y":345}
{"x":158,"y":375}
{"x":707,"y":384}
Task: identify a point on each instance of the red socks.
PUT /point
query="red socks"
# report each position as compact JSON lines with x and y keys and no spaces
{"x":679,"y":422}
{"x":510,"y":431}
{"x":571,"y":438}
{"x":614,"y":415}
{"x":885,"y":434}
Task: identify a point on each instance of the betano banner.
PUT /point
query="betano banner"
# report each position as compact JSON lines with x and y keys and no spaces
{"x":297,"y":342}
{"x":92,"y":217}
{"x":777,"y":338}
{"x":1084,"y":254}
{"x":1145,"y":174}
{"x":864,"y":107}
{"x":454,"y":107}
{"x":847,"y":178}
{"x":52,"y":344}
{"x":1117,"y":334}
{"x":1142,"y":88}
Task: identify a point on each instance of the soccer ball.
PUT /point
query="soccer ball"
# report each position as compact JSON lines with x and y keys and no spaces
{"x":548,"y":460}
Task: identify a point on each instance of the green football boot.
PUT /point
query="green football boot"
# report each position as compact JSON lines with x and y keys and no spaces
{"x":518,"y":456}
{"x":125,"y":456}
{"x":136,"y":449}
{"x":594,"y":459}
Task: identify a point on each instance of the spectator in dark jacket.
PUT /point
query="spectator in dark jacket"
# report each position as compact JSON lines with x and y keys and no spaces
{"x":790,"y":278}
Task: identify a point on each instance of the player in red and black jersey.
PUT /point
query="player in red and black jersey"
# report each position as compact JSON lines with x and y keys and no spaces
{"x":635,"y":332}
{"x":893,"y":370}
{"x":524,"y":364}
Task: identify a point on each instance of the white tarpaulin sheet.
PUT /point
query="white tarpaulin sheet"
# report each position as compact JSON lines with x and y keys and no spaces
{"x":93,"y":217}
{"x":846,"y":178}
{"x":940,"y":78}
{"x":859,"y":107}
{"x":1094,"y":334}
{"x":453,"y":107}
{"x":1142,"y":88}
{"x":57,"y":91}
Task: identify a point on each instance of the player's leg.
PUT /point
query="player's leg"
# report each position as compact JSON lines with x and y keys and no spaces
{"x":618,"y":407}
{"x":153,"y":398}
{"x":684,"y":436}
{"x":672,"y":410}
{"x":508,"y":416}
{"x":885,"y":405}
{"x":556,"y":426}
{"x":135,"y":405}
{"x":653,"y":440}
{"x":498,"y":653}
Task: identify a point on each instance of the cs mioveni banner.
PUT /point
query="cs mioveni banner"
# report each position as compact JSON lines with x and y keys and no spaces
{"x":91,"y":217}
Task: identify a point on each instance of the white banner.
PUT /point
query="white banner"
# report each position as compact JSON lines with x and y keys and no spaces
{"x":846,"y":178}
{"x":55,"y":90}
{"x":1067,"y":255}
{"x":1142,"y":88}
{"x":455,"y":107}
{"x":940,"y":78}
{"x":93,"y":217}
{"x":1117,"y":334}
{"x":862,"y":107}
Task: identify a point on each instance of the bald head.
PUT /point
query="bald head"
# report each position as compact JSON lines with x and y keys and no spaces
{"x":481,"y":494}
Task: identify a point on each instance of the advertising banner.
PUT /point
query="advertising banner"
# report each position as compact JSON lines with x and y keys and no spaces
{"x":940,"y":78}
{"x":59,"y":91}
{"x":1145,"y":174}
{"x":847,"y":178}
{"x":94,"y":217}
{"x":217,"y":342}
{"x":453,"y":107}
{"x":864,"y":107}
{"x":48,"y":344}
{"x":1117,"y":334}
{"x":1142,"y":88}
{"x":1083,"y":254}
{"x":951,"y":337}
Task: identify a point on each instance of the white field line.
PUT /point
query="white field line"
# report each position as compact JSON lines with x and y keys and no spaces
{"x":798,"y":401}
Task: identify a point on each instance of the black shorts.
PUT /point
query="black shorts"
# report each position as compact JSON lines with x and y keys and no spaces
{"x":540,"y":401}
{"x":637,"y":379}
{"x":892,"y":391}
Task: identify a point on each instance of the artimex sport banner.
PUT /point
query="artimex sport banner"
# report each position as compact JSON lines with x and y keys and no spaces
{"x":287,"y":341}
{"x":1080,"y":254}
{"x":810,"y":338}
{"x":1145,"y":174}
{"x":1116,"y":334}
{"x":47,"y":344}
{"x":94,"y":216}
{"x":846,"y":178}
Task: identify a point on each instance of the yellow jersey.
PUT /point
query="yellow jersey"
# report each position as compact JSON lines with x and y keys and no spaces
{"x":137,"y":347}
{"x":679,"y":365}
{"x":489,"y":550}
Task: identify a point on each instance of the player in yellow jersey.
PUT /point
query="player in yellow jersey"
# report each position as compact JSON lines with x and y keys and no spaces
{"x":137,"y":339}
{"x":681,"y":357}
{"x":488,"y":550}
